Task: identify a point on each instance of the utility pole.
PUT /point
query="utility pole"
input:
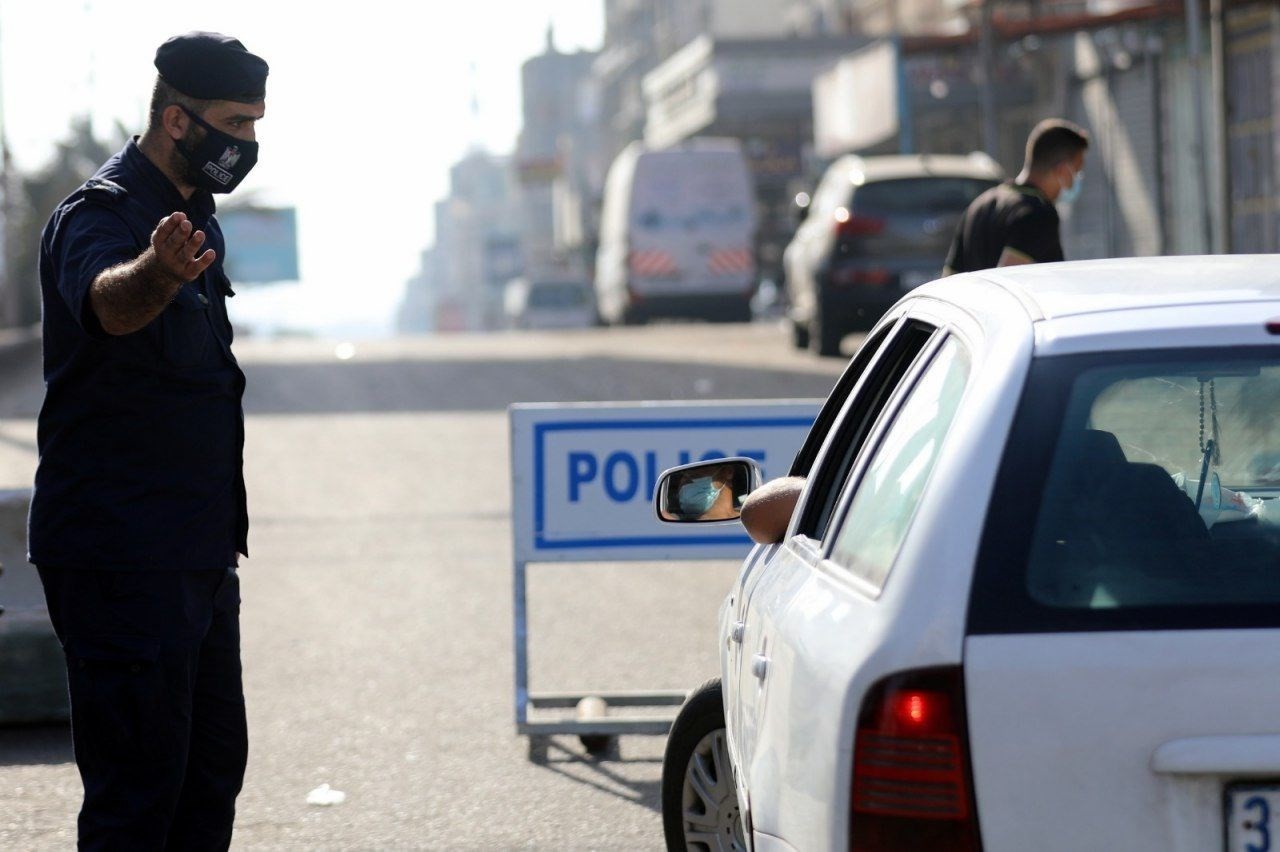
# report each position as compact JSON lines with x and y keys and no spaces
{"x":1195,"y":46}
{"x":986,"y":85}
{"x":8,"y":293}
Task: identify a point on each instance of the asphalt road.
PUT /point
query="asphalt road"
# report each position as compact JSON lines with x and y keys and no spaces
{"x":377,"y":603}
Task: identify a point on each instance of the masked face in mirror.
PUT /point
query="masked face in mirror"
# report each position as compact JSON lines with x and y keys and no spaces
{"x":705,"y":492}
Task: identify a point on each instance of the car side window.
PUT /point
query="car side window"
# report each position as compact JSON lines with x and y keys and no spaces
{"x":873,"y":528}
{"x":872,"y":383}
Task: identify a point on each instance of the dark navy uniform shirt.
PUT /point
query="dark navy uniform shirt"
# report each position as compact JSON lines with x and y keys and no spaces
{"x":141,"y":435}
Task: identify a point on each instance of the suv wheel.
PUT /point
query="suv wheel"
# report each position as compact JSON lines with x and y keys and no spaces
{"x":799,"y":335}
{"x":824,"y":334}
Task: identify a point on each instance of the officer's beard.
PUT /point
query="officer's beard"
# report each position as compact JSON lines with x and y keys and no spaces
{"x":183,"y":167}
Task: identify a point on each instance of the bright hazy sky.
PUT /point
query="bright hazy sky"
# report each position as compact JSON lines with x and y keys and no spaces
{"x":368,"y":104}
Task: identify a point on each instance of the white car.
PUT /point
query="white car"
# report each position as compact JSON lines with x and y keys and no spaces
{"x":1029,"y":594}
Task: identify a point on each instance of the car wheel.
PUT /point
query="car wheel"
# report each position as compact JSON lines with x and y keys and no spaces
{"x":700,"y":811}
{"x":824,"y":334}
{"x":799,"y":335}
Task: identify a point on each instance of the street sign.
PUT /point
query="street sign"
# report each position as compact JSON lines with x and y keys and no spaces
{"x":583,"y":475}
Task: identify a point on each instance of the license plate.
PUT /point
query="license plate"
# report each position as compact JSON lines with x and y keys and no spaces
{"x":914,"y":278}
{"x":1253,"y":818}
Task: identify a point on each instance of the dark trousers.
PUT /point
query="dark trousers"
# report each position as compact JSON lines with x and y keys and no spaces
{"x":157,"y":704}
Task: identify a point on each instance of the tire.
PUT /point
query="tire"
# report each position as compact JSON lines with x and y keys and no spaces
{"x":799,"y":335}
{"x":824,"y":334}
{"x":700,"y":811}
{"x":597,"y":745}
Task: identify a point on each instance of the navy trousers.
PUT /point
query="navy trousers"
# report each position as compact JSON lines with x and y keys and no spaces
{"x":157,"y":703}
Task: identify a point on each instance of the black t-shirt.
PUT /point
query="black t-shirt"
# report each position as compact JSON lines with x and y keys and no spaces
{"x":1010,"y":215}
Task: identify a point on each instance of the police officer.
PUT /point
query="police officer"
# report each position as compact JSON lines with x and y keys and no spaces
{"x":138,"y":516}
{"x":1016,"y":222}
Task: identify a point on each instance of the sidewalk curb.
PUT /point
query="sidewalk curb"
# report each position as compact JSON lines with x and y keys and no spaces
{"x":33,"y":686}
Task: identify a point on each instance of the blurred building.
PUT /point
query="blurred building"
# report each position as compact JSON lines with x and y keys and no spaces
{"x":552,"y":157}
{"x":476,"y":250}
{"x":757,"y":90}
{"x":641,"y":34}
{"x":1126,"y":70}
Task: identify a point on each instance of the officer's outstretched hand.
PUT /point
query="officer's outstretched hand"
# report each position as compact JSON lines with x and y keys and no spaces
{"x":177,"y":248}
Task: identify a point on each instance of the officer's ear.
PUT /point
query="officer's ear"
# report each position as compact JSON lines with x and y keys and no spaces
{"x":175,"y":121}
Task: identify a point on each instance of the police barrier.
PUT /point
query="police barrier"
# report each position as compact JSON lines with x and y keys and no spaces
{"x":582,"y":483}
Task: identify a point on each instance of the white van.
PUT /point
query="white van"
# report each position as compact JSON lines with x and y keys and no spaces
{"x":676,"y":234}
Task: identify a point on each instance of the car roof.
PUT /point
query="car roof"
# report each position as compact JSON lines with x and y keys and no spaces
{"x":1055,"y":290}
{"x":891,"y":167}
{"x":1125,"y":303}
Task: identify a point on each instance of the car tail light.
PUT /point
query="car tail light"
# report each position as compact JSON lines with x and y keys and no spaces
{"x":852,"y":225}
{"x":872,"y":277}
{"x":1273,"y":326}
{"x":911,"y":775}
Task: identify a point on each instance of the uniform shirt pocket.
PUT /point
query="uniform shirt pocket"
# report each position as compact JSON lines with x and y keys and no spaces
{"x":187,"y":338}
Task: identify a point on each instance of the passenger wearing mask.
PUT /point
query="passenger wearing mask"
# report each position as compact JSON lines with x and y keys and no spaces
{"x":1016,"y":222}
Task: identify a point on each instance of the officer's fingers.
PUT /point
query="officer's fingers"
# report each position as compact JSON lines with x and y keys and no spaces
{"x":163,"y":230}
{"x":192,"y":247}
{"x":172,"y":236}
{"x":201,"y":263}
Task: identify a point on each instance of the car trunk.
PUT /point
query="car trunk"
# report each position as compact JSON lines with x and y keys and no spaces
{"x":1124,"y":740}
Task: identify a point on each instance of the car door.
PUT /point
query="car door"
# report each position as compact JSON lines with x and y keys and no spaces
{"x":1122,"y":668}
{"x":839,"y":436}
{"x":739,"y":701}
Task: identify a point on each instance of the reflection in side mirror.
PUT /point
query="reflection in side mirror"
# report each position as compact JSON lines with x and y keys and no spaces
{"x":706,"y":491}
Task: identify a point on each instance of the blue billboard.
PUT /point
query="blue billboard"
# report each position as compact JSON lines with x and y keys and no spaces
{"x":262,"y":244}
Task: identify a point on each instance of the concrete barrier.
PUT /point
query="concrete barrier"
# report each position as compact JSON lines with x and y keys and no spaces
{"x":33,"y":679}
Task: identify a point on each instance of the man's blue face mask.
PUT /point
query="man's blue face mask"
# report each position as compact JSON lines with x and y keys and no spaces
{"x":1071,"y":193}
{"x":697,"y":496}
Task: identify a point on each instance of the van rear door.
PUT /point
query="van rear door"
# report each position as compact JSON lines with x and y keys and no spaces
{"x":691,"y":223}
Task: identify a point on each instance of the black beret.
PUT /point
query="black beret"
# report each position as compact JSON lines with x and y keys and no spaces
{"x":212,"y":66}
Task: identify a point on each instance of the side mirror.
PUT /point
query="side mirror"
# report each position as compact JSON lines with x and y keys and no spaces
{"x":706,"y":491}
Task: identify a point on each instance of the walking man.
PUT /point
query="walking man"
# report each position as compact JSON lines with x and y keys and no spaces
{"x":1017,"y":222}
{"x":138,"y":517}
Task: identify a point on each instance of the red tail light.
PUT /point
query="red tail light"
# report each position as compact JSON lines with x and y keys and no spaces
{"x":911,"y":787}
{"x":853,"y":225}
{"x":870,"y":276}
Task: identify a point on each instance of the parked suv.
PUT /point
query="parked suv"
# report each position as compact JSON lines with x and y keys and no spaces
{"x":876,"y":228}
{"x":1025,"y":590}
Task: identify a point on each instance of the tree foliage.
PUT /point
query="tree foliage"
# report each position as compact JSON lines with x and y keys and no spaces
{"x":31,"y":199}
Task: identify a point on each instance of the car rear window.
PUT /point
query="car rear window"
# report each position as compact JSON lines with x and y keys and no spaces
{"x":1139,"y":491}
{"x":925,"y":196}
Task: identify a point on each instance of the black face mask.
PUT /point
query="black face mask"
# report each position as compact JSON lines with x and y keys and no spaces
{"x":220,"y":161}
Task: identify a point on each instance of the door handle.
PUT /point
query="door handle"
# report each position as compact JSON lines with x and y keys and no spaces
{"x":738,"y":630}
{"x":760,"y":666}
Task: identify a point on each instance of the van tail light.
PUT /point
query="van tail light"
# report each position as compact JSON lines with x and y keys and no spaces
{"x":912,"y":785}
{"x":853,"y":225}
